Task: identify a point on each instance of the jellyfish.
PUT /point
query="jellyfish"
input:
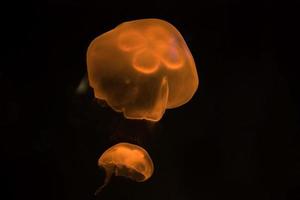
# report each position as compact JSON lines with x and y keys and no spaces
{"x":127,"y":160}
{"x":141,"y":68}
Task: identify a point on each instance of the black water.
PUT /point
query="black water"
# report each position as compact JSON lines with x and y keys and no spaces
{"x":238,"y":138}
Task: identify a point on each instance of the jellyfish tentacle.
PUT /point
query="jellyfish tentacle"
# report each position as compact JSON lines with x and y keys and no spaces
{"x":108,"y":174}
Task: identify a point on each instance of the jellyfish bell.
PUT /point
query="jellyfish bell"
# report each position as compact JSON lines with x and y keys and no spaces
{"x":127,"y":160}
{"x":142,"y":68}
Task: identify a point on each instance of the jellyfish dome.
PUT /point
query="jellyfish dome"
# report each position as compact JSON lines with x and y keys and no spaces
{"x":142,"y":68}
{"x":127,"y":160}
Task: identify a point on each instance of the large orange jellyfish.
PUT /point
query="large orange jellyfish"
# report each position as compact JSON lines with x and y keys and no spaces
{"x":141,"y":68}
{"x":128,"y":160}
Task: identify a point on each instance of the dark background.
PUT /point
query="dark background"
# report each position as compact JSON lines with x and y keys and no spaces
{"x":237,"y":138}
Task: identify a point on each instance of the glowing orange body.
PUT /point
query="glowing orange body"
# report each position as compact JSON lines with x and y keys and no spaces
{"x":128,"y":160}
{"x":132,"y":158}
{"x":141,"y":68}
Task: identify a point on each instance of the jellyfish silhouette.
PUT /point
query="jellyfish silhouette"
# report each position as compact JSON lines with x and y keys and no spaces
{"x":127,"y":160}
{"x":141,"y":68}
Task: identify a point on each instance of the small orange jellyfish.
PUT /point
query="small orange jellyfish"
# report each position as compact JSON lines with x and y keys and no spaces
{"x":128,"y":160}
{"x":141,"y":68}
